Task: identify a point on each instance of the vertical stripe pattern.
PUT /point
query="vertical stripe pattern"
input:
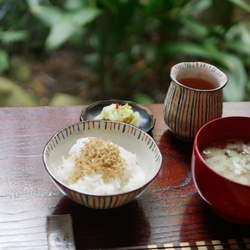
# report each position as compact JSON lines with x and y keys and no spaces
{"x":187,"y":109}
{"x":109,"y":129}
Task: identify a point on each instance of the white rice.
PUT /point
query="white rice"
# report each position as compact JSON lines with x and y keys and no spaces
{"x":133,"y":178}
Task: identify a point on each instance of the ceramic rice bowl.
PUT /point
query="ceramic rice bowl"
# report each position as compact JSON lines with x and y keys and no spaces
{"x":133,"y":139}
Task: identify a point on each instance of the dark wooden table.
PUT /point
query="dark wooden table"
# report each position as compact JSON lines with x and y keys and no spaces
{"x":170,"y":212}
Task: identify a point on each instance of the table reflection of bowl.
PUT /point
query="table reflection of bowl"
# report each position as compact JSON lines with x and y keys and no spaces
{"x":130,"y":138}
{"x":229,"y":198}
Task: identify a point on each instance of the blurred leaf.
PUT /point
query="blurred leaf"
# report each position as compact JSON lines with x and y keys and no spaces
{"x":194,"y":28}
{"x":12,"y":95}
{"x":60,"y":33}
{"x":185,"y":49}
{"x":4,"y":61}
{"x":242,"y":4}
{"x":83,"y":16}
{"x":238,"y":47}
{"x":47,"y":15}
{"x":233,"y":67}
{"x":143,"y":98}
{"x":73,"y":4}
{"x":62,"y":99}
{"x":240,"y":31}
{"x":10,"y":36}
{"x":33,"y":2}
{"x":197,"y":6}
{"x":69,"y":25}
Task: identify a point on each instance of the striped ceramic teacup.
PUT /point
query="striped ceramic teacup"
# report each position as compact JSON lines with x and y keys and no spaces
{"x":194,"y":97}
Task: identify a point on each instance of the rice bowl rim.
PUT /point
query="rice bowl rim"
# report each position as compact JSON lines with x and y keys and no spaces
{"x":141,"y":187}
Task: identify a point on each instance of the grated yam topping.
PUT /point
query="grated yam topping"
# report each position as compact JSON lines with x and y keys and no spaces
{"x":98,"y":157}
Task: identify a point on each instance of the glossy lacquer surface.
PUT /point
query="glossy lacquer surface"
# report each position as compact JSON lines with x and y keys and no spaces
{"x":169,"y":212}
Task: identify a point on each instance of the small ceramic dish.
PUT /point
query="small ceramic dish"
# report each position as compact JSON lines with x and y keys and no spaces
{"x":131,"y":138}
{"x":147,"y":120}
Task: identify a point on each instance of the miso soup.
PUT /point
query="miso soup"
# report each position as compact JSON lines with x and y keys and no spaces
{"x":230,"y":158}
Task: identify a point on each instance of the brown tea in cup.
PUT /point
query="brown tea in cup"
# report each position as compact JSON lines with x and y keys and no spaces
{"x":197,"y":83}
{"x":194,"y":97}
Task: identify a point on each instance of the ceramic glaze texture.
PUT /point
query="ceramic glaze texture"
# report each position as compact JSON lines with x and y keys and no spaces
{"x":187,"y":109}
{"x":131,"y":138}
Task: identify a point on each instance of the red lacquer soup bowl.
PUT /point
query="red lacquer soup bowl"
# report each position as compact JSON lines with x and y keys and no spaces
{"x":228,"y":198}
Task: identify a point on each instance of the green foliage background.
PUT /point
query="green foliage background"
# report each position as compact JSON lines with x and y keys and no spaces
{"x":129,"y":46}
